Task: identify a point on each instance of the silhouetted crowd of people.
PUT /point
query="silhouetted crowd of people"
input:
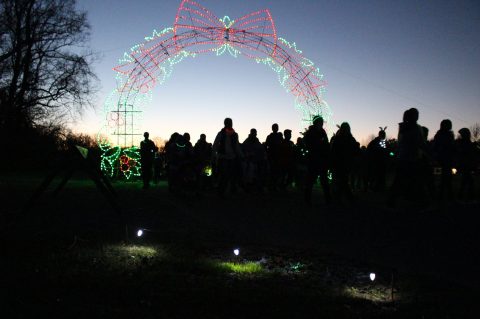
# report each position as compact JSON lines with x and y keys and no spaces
{"x":338,"y":164}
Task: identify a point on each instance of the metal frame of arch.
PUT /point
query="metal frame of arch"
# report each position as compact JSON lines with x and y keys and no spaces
{"x":197,"y":30}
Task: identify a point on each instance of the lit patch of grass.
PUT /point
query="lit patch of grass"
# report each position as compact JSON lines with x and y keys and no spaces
{"x":133,"y":251}
{"x":132,"y":256}
{"x":139,"y":251}
{"x":376,"y":294}
{"x":241,"y":268}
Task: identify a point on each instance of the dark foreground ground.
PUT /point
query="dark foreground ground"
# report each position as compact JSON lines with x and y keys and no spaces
{"x":72,"y":256}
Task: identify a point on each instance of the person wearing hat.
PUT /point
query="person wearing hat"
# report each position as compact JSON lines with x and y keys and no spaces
{"x":287,"y":160}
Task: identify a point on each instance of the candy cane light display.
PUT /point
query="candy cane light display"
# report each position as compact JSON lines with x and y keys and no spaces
{"x":197,"y":30}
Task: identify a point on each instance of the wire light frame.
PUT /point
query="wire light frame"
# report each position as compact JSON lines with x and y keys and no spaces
{"x":197,"y":30}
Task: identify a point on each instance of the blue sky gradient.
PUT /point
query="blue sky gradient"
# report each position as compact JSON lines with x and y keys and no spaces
{"x":379,"y":58}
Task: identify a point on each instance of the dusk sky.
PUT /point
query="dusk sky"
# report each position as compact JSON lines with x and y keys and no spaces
{"x":378,"y":57}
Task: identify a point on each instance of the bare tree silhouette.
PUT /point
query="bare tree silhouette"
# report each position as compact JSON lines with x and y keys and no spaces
{"x":475,"y":129}
{"x":45,"y":66}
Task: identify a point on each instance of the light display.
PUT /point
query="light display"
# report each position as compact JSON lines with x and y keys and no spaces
{"x":118,"y":159}
{"x":196,"y":30}
{"x":207,"y":171}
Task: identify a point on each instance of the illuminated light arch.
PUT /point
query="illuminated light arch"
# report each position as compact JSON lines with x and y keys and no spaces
{"x":196,"y":30}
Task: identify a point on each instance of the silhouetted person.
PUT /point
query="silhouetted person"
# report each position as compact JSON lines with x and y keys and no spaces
{"x":158,"y":165}
{"x":444,"y":153}
{"x":147,"y":154}
{"x":203,"y":151}
{"x":318,"y":152}
{"x":467,"y":161}
{"x":360,"y":174}
{"x":175,"y":157}
{"x":287,"y":160}
{"x":272,"y":144}
{"x":377,"y":161}
{"x":228,"y":153}
{"x":411,"y":145}
{"x":300,"y":164}
{"x":426,"y":167}
{"x":254,"y":166}
{"x":188,"y":144}
{"x":203,"y":156}
{"x":344,"y":148}
{"x":185,"y":162}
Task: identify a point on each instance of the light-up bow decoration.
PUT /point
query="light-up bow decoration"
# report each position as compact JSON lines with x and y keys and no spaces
{"x":199,"y":30}
{"x":196,"y":30}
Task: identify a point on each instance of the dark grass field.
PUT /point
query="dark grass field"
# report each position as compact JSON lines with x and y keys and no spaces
{"x":72,"y":255}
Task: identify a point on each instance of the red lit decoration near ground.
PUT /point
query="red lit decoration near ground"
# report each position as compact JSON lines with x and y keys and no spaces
{"x":196,"y":30}
{"x":127,"y":164}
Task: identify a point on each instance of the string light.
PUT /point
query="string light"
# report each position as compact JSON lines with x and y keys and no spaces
{"x":227,"y":22}
{"x":196,"y":30}
{"x":227,"y":47}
